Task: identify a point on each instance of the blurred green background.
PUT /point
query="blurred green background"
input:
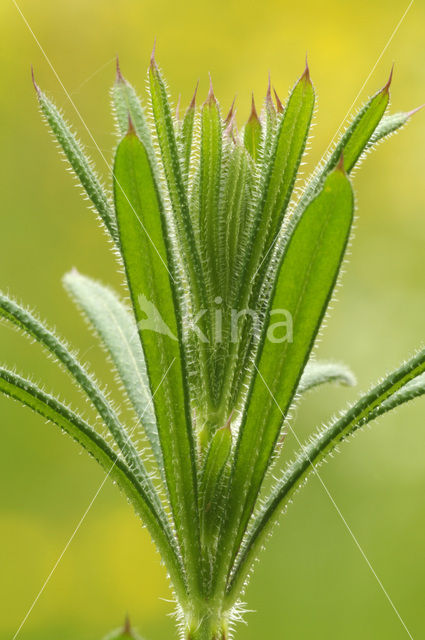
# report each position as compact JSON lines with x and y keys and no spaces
{"x":312,"y":580}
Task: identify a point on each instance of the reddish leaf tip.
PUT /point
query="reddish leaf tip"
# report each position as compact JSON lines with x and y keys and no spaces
{"x":131,"y":131}
{"x":269,"y":91}
{"x":279,"y":105}
{"x":127,"y":625}
{"x":340,"y":165}
{"x":193,"y":101}
{"x":210,"y":97}
{"x":119,"y":77}
{"x":306,"y":74}
{"x":153,"y":61}
{"x":386,"y":88}
{"x":36,"y":87}
{"x":230,"y":115}
{"x":253,"y":115}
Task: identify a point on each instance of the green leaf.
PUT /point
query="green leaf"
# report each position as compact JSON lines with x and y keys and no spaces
{"x":305,"y":284}
{"x":215,"y":462}
{"x":26,"y":322}
{"x":400,"y":386}
{"x":118,"y":331}
{"x":186,"y":137}
{"x":389,"y":125}
{"x":277,"y":183}
{"x":317,"y":373}
{"x":352,"y":143}
{"x":276,"y":191}
{"x":210,"y":175}
{"x":146,"y":254}
{"x":51,"y":409}
{"x":174,"y":178}
{"x":234,"y":209}
{"x":80,"y":163}
{"x":127,"y":105}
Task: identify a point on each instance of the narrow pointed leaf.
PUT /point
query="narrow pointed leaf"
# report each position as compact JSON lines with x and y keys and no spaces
{"x":26,"y":322}
{"x":174,"y":177}
{"x":352,"y":143}
{"x":400,"y":386}
{"x":145,"y":249}
{"x":305,"y":283}
{"x":215,"y":462}
{"x":186,"y":138}
{"x":388,"y":125}
{"x":118,"y":331}
{"x":51,"y":409}
{"x":210,"y":174}
{"x":127,"y":104}
{"x":283,"y":166}
{"x":80,"y":163}
{"x":275,"y":192}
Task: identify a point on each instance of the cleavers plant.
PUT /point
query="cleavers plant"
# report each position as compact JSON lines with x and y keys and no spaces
{"x":216,"y":246}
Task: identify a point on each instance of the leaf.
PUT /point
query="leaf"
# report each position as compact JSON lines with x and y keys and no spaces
{"x":216,"y":459}
{"x":186,"y":137}
{"x":210,"y":175}
{"x":283,"y":165}
{"x":305,"y":283}
{"x":174,"y":178}
{"x":389,"y":125}
{"x":317,"y":373}
{"x":127,"y":105}
{"x":400,"y":386}
{"x":351,"y":145}
{"x":80,"y":163}
{"x":146,"y":254}
{"x":26,"y":322}
{"x":275,"y":193}
{"x":234,"y":204}
{"x":51,"y":409}
{"x":118,"y":331}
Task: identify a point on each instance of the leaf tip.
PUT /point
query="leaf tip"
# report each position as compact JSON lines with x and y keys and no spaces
{"x":269,"y":92}
{"x":279,"y":105}
{"x":306,"y":73}
{"x":253,"y":115}
{"x":192,"y":104}
{"x":340,"y":166}
{"x":127,"y":625}
{"x":211,"y":99}
{"x":131,"y":131}
{"x":118,"y":77}
{"x":153,"y":61}
{"x":386,"y":88}
{"x":413,"y":111}
{"x":231,"y":113}
{"x":36,"y":87}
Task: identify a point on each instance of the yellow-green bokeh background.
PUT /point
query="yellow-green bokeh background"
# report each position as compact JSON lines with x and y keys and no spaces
{"x":312,"y":580}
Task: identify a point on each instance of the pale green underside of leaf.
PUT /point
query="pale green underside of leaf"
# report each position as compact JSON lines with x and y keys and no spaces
{"x":116,"y":327}
{"x":317,"y":373}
